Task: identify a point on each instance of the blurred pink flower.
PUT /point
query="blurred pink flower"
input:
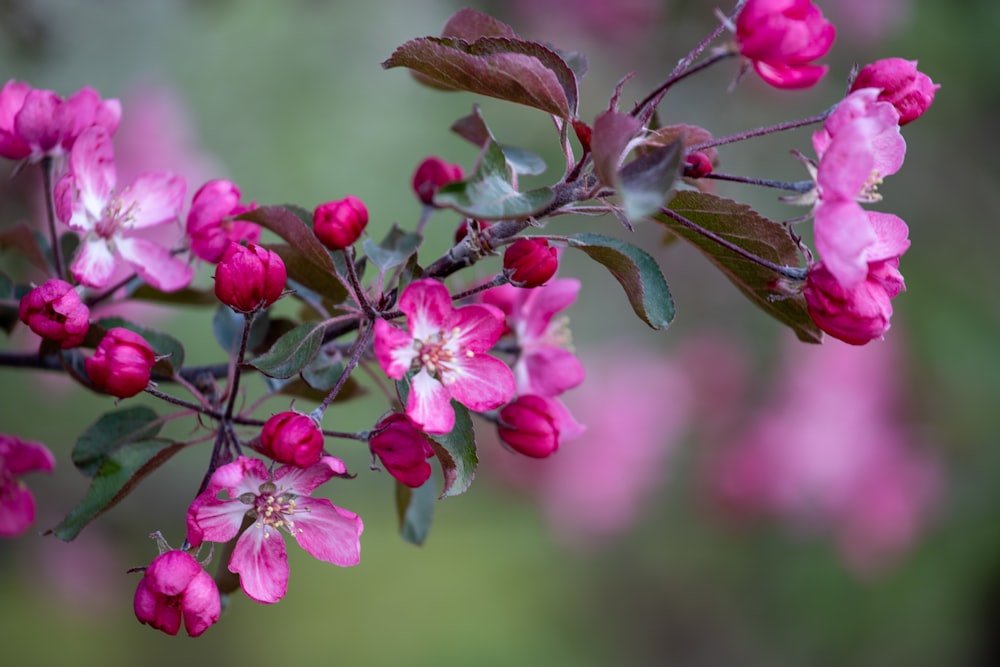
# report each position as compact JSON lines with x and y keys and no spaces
{"x":17,"y":505}
{"x":829,"y":456}
{"x":623,"y":23}
{"x":868,"y":21}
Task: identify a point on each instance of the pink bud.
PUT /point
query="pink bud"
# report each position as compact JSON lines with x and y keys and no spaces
{"x":528,"y":426}
{"x":175,"y":586}
{"x":857,"y":315}
{"x":54,"y":311}
{"x":403,"y":449}
{"x":463,"y":229}
{"x":432,"y":173}
{"x":122,"y":363}
{"x":210,"y":222}
{"x":902,"y":86}
{"x":529,"y":262}
{"x":292,"y":438}
{"x":697,"y":165}
{"x":249,"y":278}
{"x":782,"y":38}
{"x":338,"y":224}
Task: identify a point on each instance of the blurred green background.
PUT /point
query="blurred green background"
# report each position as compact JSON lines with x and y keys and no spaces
{"x":288,"y":100}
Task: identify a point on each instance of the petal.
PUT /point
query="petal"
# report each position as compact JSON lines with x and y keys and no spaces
{"x":155,"y":264}
{"x":329,"y":533}
{"x":202,"y":605}
{"x":149,"y":610}
{"x":92,"y":163}
{"x":21,"y":456}
{"x":154,"y":199}
{"x":427,"y":305}
{"x":303,"y":481}
{"x":475,"y":328}
{"x":542,"y":303}
{"x":429,"y":404}
{"x":789,"y":77}
{"x":215,"y":520}
{"x":94,"y":263}
{"x":17,"y":509}
{"x":892,"y":236}
{"x":171,"y":572}
{"x":262,"y":563}
{"x":569,"y":427}
{"x":843,"y":234}
{"x":394,"y":349}
{"x":36,"y":122}
{"x":480,"y":383}
{"x":244,"y":475}
{"x":548,"y":370}
{"x":506,"y":297}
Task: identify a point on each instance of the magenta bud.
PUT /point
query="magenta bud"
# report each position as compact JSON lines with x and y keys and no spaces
{"x":431,"y":174}
{"x":174,"y":588}
{"x":54,"y":311}
{"x":902,"y":85}
{"x":338,"y":224}
{"x":122,"y":363}
{"x":249,"y":278}
{"x":697,"y":165}
{"x":857,"y":315}
{"x":528,"y":426}
{"x":529,"y":262}
{"x":463,"y":229}
{"x":403,"y":449}
{"x":292,"y":438}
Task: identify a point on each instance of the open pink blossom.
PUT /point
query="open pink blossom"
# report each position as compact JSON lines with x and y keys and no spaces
{"x":173,"y":587}
{"x":38,"y":123}
{"x":858,"y":146}
{"x":782,"y":38}
{"x":282,"y":501}
{"x":87,"y":201}
{"x":447,"y":347}
{"x":211,"y":224}
{"x":17,"y":505}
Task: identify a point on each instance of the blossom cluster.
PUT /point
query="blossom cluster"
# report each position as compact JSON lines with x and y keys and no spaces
{"x":442,"y":352}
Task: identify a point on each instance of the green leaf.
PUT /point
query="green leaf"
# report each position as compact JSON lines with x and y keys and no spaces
{"x":227,"y":327}
{"x":22,"y":238}
{"x":111,"y":432}
{"x":416,"y":511}
{"x":637,"y":272}
{"x":395,"y":248}
{"x":742,"y":226}
{"x":456,"y":450}
{"x":489,"y":194}
{"x":163,"y":344}
{"x":116,"y":477}
{"x":292,"y":352}
{"x":479,"y":54}
{"x":646,"y":181}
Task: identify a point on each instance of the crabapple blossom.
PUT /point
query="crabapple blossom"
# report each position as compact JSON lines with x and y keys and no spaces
{"x":249,"y":278}
{"x":530,"y":262}
{"x":901,"y":84}
{"x":38,"y":123}
{"x":403,"y":449}
{"x":17,"y":505}
{"x":273,"y":502}
{"x":54,"y":311}
{"x":431,"y":174}
{"x":176,"y":587}
{"x":447,"y":347}
{"x":210,"y":223}
{"x":292,"y":438}
{"x":781,"y":38}
{"x":87,"y":201}
{"x":338,"y":224}
{"x":528,"y":426}
{"x":122,"y":363}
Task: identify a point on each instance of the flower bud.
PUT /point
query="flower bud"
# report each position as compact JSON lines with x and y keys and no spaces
{"x":403,"y":449}
{"x":292,"y":438}
{"x":782,"y":38}
{"x":902,"y":86}
{"x":175,"y":586}
{"x":432,"y":173}
{"x":697,"y":165}
{"x":54,"y":311}
{"x":210,"y":223}
{"x":857,"y":315}
{"x":529,"y":262}
{"x":528,"y":426}
{"x":338,"y":224}
{"x":463,"y":229}
{"x":122,"y":363}
{"x":249,"y":278}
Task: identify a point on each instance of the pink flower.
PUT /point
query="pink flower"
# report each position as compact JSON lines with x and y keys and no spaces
{"x":858,"y":146}
{"x":544,"y":364}
{"x":17,"y":505}
{"x":292,"y":438}
{"x":447,"y":347}
{"x":249,"y":278}
{"x":39,"y":123}
{"x":54,"y":311}
{"x":403,"y":449}
{"x":782,"y":38}
{"x":210,"y":222}
{"x":175,"y":586}
{"x":338,"y":224}
{"x":122,"y":363}
{"x":87,"y":201}
{"x":901,"y":84}
{"x":282,"y":501}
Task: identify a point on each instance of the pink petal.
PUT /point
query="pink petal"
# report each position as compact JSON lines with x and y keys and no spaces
{"x":542,"y":303}
{"x":148,"y":609}
{"x":21,"y":456}
{"x":244,"y":475}
{"x":330,"y":533}
{"x":12,"y":97}
{"x":429,"y":404}
{"x":171,"y":572}
{"x":847,"y":164}
{"x":201,"y":605}
{"x":548,"y":370}
{"x":427,"y":305}
{"x":262,"y":563}
{"x":569,"y":427}
{"x":92,"y":163}
{"x":480,"y":383}
{"x":94,"y":263}
{"x":393,"y":349}
{"x":155,"y":264}
{"x":843,"y":234}
{"x":504,"y":297}
{"x":154,"y":199}
{"x":303,"y":481}
{"x":789,"y":77}
{"x":215,"y":520}
{"x":17,"y":509}
{"x":892,"y":234}
{"x":36,"y":122}
{"x":475,"y":328}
